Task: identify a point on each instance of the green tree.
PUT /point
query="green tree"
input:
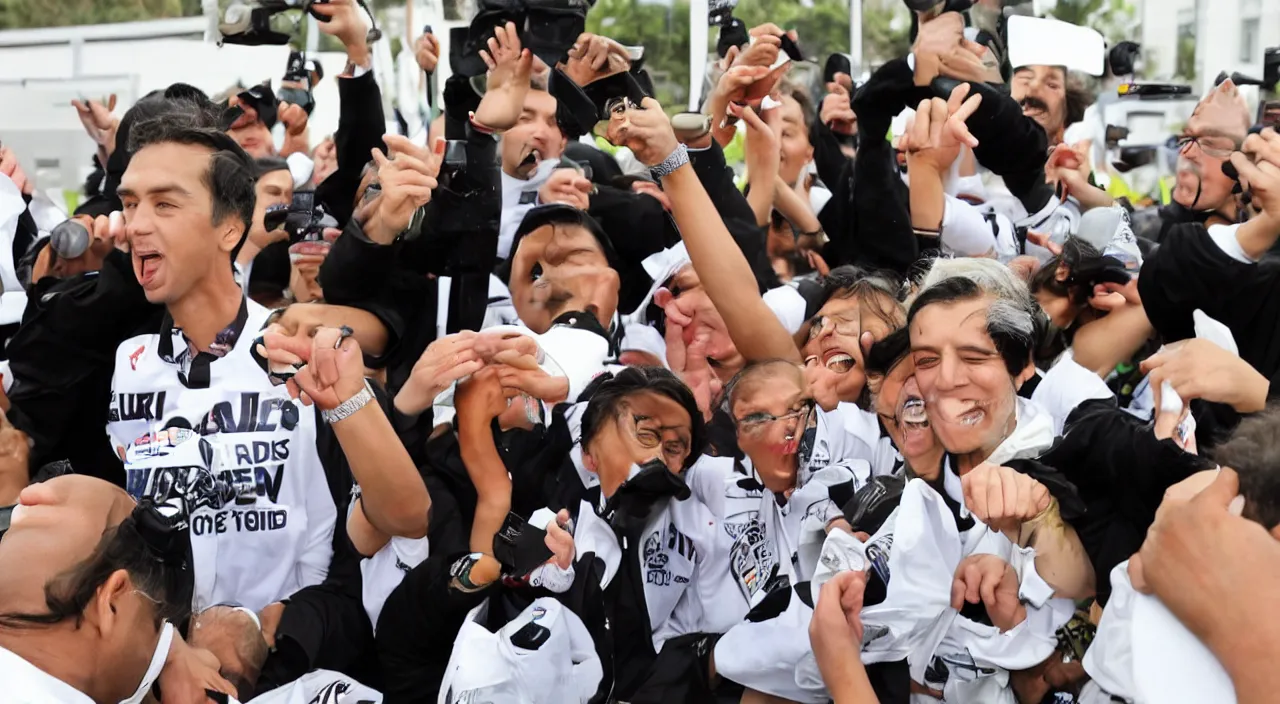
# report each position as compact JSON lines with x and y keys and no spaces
{"x":1115,"y":19}
{"x":22,"y":14}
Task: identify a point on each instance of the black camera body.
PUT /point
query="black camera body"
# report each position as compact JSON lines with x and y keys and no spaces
{"x":303,"y":218}
{"x":297,"y":71}
{"x":250,"y":24}
{"x":548,"y":28}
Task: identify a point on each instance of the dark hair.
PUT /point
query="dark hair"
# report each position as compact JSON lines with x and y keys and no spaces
{"x":1076,"y":254}
{"x":1253,"y":451}
{"x":887,"y":352}
{"x":749,"y":372}
{"x":270,"y":164}
{"x":1011,"y":324}
{"x":659,"y":380}
{"x":871,"y":289}
{"x":1078,"y":99}
{"x":232,"y":174}
{"x":798,"y":93}
{"x":68,"y":594}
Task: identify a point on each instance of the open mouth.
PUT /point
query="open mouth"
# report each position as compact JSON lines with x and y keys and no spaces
{"x":913,"y":414}
{"x":966,"y":413}
{"x":148,"y":267}
{"x":838,"y":361}
{"x":532,"y":159}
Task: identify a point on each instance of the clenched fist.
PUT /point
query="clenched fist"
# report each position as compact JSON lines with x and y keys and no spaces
{"x":1003,"y":498}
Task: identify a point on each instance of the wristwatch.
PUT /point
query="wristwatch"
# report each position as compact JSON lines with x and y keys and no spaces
{"x":678,"y":158}
{"x":350,"y":406}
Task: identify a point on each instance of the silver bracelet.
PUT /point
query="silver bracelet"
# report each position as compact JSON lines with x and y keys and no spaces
{"x":347,"y":408}
{"x":678,"y":158}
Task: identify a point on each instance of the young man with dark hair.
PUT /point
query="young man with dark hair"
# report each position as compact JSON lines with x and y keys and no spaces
{"x":188,"y":393}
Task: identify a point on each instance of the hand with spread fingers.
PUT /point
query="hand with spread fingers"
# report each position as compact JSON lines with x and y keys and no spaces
{"x":1003,"y":498}
{"x":990,"y":581}
{"x":510,"y":66}
{"x":939,"y":130}
{"x":1201,"y":369}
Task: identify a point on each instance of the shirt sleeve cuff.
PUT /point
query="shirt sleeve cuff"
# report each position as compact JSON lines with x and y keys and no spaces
{"x":1225,"y":237}
{"x":1032,"y":589}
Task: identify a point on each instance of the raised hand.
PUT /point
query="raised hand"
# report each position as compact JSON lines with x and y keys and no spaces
{"x":1003,"y":498}
{"x":939,"y":130}
{"x":593,"y":57}
{"x":646,"y":131}
{"x":560,"y":541}
{"x":991,"y":581}
{"x":763,"y":152}
{"x":426,"y":49}
{"x":837,"y":108}
{"x":407,"y":180}
{"x":481,"y":398}
{"x":835,"y":632}
{"x":10,"y":167}
{"x":333,"y":366}
{"x":508,"y":81}
{"x":98,"y":122}
{"x":345,"y":23}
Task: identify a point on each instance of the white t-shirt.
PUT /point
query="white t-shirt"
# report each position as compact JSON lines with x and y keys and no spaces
{"x":25,"y":683}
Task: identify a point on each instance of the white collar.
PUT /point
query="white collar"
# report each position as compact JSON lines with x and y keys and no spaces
{"x":1032,"y":436}
{"x":25,"y":683}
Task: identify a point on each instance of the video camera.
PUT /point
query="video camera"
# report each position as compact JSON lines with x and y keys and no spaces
{"x":303,"y":219}
{"x":250,"y":24}
{"x":548,"y":28}
{"x":1268,"y":85}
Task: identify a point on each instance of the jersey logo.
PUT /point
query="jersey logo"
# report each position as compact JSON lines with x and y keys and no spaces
{"x":133,"y":358}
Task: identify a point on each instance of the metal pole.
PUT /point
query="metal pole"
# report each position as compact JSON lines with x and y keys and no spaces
{"x":313,"y":36}
{"x":698,"y":32}
{"x":855,"y":36}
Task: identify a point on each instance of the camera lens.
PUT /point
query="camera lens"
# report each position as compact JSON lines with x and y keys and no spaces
{"x":69,"y":239}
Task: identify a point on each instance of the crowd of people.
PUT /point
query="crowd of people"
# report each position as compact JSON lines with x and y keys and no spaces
{"x":491,"y":415}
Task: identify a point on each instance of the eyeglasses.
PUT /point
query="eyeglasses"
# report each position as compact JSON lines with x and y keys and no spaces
{"x":1216,"y":147}
{"x":845,"y":324}
{"x":756,"y":423}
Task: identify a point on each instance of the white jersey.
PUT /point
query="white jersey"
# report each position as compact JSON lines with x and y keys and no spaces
{"x":275,"y":537}
{"x":25,"y":683}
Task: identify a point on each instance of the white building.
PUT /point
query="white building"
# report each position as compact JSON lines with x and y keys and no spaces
{"x":1225,"y":35}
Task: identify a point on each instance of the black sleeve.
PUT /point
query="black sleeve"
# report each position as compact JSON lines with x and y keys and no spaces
{"x":1121,"y":472}
{"x":361,"y":125}
{"x":62,"y":359}
{"x":732,"y":206}
{"x":868,"y":218}
{"x":832,"y":165}
{"x":1189,"y":271}
{"x":417,"y":627}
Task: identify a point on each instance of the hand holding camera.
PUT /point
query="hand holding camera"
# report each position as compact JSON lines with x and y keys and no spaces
{"x":1260,"y":175}
{"x":594,"y":57}
{"x":645,"y":130}
{"x":941,"y":49}
{"x":508,"y":81}
{"x":406,"y":179}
